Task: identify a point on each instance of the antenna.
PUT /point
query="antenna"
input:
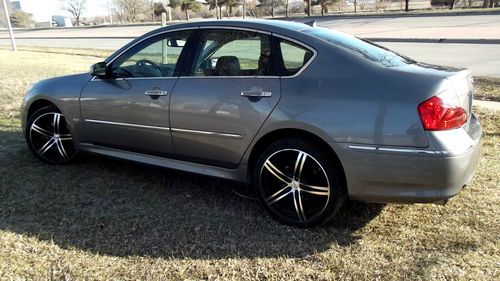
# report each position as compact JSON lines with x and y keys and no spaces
{"x":311,"y":23}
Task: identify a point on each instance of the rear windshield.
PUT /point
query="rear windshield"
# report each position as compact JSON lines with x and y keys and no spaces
{"x":361,"y":47}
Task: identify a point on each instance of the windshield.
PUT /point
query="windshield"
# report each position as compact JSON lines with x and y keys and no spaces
{"x":361,"y":47}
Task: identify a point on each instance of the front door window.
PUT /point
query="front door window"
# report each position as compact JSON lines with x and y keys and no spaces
{"x":156,"y":57}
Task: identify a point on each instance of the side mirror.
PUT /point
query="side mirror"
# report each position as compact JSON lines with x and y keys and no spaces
{"x":99,"y":69}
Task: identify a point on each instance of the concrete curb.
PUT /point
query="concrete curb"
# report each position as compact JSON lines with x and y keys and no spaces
{"x":392,"y":15}
{"x":437,"y":40}
{"x":493,"y":105}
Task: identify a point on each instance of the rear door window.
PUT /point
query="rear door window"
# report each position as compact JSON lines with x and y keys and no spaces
{"x":294,"y":57}
{"x":233,"y":53}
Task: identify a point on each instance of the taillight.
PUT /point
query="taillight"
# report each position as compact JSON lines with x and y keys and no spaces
{"x":437,"y":115}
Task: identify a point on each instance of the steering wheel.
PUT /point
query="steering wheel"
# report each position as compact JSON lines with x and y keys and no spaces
{"x":147,"y":68}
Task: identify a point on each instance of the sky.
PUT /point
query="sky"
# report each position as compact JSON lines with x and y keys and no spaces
{"x":43,"y":10}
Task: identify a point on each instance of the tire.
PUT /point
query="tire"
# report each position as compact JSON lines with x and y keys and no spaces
{"x":298,"y":183}
{"x":49,"y":137}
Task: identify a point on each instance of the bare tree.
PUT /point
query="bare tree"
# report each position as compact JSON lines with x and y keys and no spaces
{"x":270,"y":5}
{"x":131,"y":10}
{"x":452,"y":4}
{"x":3,"y":20}
{"x":324,"y":5}
{"x":74,"y":7}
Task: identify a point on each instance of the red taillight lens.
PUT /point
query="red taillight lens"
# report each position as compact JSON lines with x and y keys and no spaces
{"x":436,"y":115}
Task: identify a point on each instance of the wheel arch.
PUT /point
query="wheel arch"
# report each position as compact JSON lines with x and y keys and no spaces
{"x":277,"y":134}
{"x":38,"y":104}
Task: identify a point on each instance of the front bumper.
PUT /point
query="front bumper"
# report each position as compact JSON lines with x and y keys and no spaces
{"x":412,"y":175}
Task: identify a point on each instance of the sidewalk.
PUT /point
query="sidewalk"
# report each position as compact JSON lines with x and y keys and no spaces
{"x":493,"y":105}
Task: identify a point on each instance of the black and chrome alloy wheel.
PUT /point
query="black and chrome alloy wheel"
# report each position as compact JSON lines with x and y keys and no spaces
{"x":49,"y":137}
{"x":298,"y":183}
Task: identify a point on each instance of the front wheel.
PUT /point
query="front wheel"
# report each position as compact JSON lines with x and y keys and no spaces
{"x":48,"y":136}
{"x":298,"y":183}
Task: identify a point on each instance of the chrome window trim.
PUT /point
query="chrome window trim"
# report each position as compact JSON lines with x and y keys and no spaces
{"x":127,"y":124}
{"x":236,"y":28}
{"x":134,"y":78}
{"x":315,"y":53}
{"x":235,"y":136}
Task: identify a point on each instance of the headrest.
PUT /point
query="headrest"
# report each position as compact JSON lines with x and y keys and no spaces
{"x":228,"y":66}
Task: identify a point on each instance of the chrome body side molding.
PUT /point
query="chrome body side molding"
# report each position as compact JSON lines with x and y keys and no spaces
{"x":187,"y":131}
{"x":235,"y":136}
{"x":126,"y":124}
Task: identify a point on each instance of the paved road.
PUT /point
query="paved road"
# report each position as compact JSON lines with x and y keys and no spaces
{"x":462,"y":26}
{"x":435,"y":27}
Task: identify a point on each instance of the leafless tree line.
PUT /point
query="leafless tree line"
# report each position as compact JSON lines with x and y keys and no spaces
{"x":146,"y":10}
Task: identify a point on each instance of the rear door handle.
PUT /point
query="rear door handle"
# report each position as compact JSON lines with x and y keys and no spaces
{"x":156,"y":92}
{"x":256,"y":94}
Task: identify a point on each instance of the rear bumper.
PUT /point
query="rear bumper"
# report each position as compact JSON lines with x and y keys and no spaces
{"x":412,"y":175}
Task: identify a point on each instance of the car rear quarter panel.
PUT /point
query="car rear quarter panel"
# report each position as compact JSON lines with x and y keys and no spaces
{"x":354,"y":100}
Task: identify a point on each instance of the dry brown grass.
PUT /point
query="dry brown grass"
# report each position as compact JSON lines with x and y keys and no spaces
{"x":101,"y":219}
{"x":487,"y":88}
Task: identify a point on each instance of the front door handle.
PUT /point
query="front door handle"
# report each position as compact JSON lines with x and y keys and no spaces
{"x":256,"y":94}
{"x":156,"y":92}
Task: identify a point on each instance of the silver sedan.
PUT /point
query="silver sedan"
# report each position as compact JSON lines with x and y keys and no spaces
{"x":308,"y":116}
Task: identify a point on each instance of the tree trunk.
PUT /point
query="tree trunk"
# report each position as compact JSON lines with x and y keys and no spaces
{"x":286,"y":8}
{"x":220,"y":12}
{"x":407,"y":5}
{"x":216,"y":9}
{"x":485,"y":3}
{"x":187,"y":14}
{"x":491,"y":3}
{"x":272,"y":9}
{"x":355,"y":6}
{"x":244,"y":9}
{"x":452,"y":4}
{"x":309,"y":8}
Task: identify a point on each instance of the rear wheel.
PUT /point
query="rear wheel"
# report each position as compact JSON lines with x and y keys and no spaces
{"x":48,"y":136}
{"x":298,"y":183}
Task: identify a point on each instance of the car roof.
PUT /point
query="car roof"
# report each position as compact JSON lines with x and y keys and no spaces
{"x":259,"y":24}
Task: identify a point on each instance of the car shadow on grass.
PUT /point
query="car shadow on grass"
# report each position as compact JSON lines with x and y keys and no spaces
{"x":120,"y":208}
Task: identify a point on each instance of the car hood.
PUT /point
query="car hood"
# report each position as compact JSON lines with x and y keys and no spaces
{"x":73,"y":81}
